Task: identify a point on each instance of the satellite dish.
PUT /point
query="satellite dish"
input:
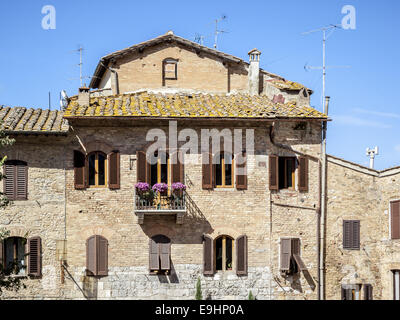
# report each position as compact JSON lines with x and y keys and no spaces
{"x":63,"y":99}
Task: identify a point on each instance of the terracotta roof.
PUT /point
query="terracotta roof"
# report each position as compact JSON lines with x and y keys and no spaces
{"x":286,"y":84}
{"x":158,"y":105}
{"x":19,"y":119}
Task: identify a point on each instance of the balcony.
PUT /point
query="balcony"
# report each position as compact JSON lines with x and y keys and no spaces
{"x":161,"y":205}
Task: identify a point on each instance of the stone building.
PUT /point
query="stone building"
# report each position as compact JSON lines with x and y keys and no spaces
{"x":84,"y":225}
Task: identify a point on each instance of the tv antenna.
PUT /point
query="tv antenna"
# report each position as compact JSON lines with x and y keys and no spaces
{"x":217,"y":31}
{"x":63,"y":100}
{"x":326,"y":33}
{"x":81,"y":77}
{"x":199,"y":38}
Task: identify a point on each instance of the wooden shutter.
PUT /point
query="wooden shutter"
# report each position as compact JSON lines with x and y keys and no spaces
{"x":114,"y":170}
{"x":21,"y":182}
{"x":347,"y":294}
{"x":347,"y":234}
{"x":102,"y":256}
{"x":79,"y":170}
{"x":177,"y":168}
{"x":35,"y":257}
{"x":91,"y":259}
{"x":9,"y":181}
{"x":142,"y":167}
{"x":241,"y":255}
{"x":154,"y":255}
{"x":286,"y":253}
{"x":395,"y":219}
{"x":368,"y":292}
{"x":165,"y":255}
{"x":207,"y":173}
{"x":241,"y":180}
{"x":2,"y":266}
{"x":303,"y":174}
{"x":296,"y":254}
{"x":356,"y":235}
{"x":273,"y":173}
{"x":208,"y":255}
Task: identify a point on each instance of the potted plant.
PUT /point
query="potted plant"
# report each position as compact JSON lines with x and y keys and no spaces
{"x":160,"y":189}
{"x":144,"y":192}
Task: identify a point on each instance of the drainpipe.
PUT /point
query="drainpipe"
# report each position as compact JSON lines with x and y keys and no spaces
{"x":323,"y":207}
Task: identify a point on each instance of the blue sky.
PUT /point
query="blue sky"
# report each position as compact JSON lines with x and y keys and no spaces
{"x":364,"y":105}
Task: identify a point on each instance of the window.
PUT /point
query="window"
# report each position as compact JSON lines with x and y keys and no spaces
{"x":170,"y":69}
{"x":14,"y":255}
{"x":291,"y":261}
{"x":224,"y":253}
{"x":395,"y":219}
{"x":223,"y":168}
{"x":97,"y":256}
{"x":282,"y":173}
{"x":396,"y":284}
{"x":160,"y":254}
{"x":351,"y":292}
{"x":160,"y":171}
{"x":351,"y":234}
{"x":97,"y":162}
{"x":286,"y":172}
{"x":16,"y":180}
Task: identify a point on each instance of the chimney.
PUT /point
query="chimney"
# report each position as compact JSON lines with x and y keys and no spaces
{"x":254,"y":72}
{"x":84,"y":96}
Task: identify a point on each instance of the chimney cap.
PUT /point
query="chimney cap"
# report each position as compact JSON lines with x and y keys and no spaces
{"x":254,"y":51}
{"x":170,"y":32}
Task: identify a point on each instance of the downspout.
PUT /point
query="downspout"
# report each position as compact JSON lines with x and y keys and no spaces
{"x":323,"y":207}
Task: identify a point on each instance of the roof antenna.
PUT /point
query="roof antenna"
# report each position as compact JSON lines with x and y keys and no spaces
{"x":199,"y":38}
{"x":49,"y":101}
{"x":324,"y":30}
{"x":81,"y":76}
{"x":217,"y":32}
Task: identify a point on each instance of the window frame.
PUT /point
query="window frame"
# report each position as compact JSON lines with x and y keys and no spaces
{"x":15,"y":255}
{"x":159,"y":169}
{"x":170,"y":61}
{"x":161,"y":271}
{"x":285,"y":178}
{"x":15,"y":164}
{"x":96,"y":174}
{"x":224,"y":237}
{"x":223,"y":171}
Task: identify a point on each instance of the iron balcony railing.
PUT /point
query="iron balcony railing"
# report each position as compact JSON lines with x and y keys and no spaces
{"x":169,"y":202}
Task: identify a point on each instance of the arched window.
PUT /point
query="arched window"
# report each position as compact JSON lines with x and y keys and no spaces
{"x":14,"y":255}
{"x":224,"y":253}
{"x":160,"y":171}
{"x":97,"y":167}
{"x":224,"y":170}
{"x":160,"y":254}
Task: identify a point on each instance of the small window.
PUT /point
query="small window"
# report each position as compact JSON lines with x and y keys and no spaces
{"x":351,"y":234}
{"x":170,"y":69}
{"x":224,"y":253}
{"x":291,"y":261}
{"x":287,"y":170}
{"x":351,"y":292}
{"x":160,"y":254}
{"x":395,"y":220}
{"x":223,"y":168}
{"x":16,"y":180}
{"x":97,"y":169}
{"x":97,"y":256}
{"x":14,"y":255}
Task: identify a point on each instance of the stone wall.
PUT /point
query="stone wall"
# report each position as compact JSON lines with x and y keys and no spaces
{"x":218,"y":212}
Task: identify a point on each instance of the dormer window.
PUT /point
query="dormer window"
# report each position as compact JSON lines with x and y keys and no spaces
{"x":170,"y":69}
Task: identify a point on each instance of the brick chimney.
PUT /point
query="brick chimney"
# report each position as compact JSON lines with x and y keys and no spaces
{"x":254,"y":72}
{"x":84,"y":96}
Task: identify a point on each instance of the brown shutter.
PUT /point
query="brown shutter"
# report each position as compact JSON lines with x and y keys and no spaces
{"x":154,"y":255}
{"x":356,"y":234}
{"x":368,"y":292}
{"x":9,"y":181}
{"x":21,"y":181}
{"x":241,"y":255}
{"x":165,"y":255}
{"x":114,"y":170}
{"x":286,"y":254}
{"x":273,"y":173}
{"x":79,"y":170}
{"x":35,"y":257}
{"x":2,"y":255}
{"x":343,"y":291}
{"x":208,"y":255}
{"x":296,"y":254}
{"x":207,"y":173}
{"x":347,"y":234}
{"x":177,"y":174}
{"x":102,"y":256}
{"x":395,"y":219}
{"x":241,"y":180}
{"x":303,"y":174}
{"x":142,"y":167}
{"x":91,"y":255}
